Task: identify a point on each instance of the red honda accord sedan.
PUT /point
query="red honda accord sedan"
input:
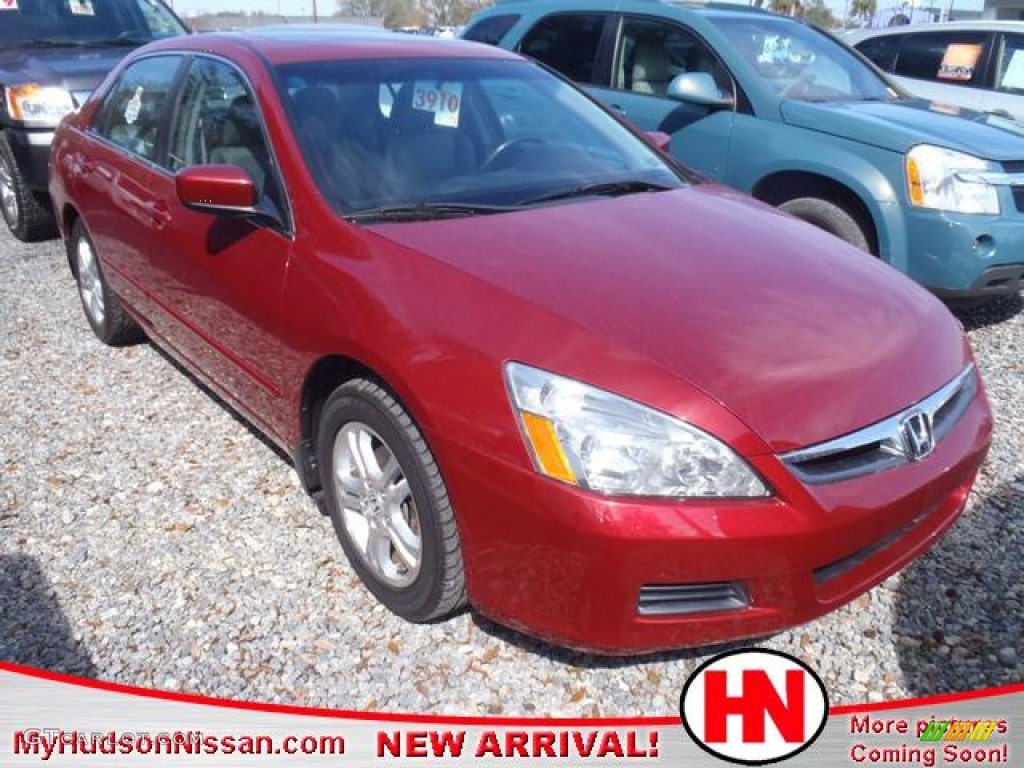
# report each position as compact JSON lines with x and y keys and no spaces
{"x":519,"y":357}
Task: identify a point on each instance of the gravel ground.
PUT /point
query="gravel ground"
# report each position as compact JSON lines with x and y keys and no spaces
{"x":147,"y":537}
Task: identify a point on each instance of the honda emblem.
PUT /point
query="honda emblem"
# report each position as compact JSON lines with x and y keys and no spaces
{"x":917,"y":435}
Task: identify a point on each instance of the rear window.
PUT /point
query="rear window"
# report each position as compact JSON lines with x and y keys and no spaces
{"x":568,"y":43}
{"x":881,"y":51}
{"x":1010,"y":71}
{"x":492,"y":29}
{"x":51,"y":23}
{"x":946,"y":57}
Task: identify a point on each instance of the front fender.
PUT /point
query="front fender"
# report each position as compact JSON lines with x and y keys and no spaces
{"x":875,"y":175}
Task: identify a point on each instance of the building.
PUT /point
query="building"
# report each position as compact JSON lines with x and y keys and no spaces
{"x":1010,"y":10}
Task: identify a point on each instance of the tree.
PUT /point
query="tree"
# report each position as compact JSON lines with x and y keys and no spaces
{"x":362,"y":9}
{"x":864,"y":10}
{"x":403,"y":13}
{"x":787,"y":7}
{"x":820,"y":15}
{"x":451,"y":13}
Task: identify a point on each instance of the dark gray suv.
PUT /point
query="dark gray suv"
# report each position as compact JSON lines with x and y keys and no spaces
{"x":52,"y":54}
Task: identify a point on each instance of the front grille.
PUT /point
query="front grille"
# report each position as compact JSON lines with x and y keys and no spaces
{"x":886,"y":444}
{"x":666,"y":599}
{"x":1016,"y":166}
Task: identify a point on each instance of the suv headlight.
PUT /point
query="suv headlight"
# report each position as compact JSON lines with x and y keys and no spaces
{"x":932,"y":181}
{"x":603,"y":442}
{"x":42,"y":105}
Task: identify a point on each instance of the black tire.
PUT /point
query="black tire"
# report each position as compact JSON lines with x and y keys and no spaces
{"x":833,"y":218}
{"x":27,"y":213}
{"x":365,"y":409}
{"x":103,"y":309}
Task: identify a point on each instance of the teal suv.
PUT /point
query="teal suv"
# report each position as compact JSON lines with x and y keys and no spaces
{"x":775,"y":107}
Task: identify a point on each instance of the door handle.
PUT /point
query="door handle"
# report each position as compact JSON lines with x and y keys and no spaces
{"x":158,"y":213}
{"x":81,"y":165}
{"x":617,"y":108}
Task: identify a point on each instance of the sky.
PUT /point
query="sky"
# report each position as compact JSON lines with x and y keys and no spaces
{"x":328,"y":7}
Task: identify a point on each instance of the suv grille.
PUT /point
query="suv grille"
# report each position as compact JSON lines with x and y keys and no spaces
{"x":888,"y":443}
{"x":1016,"y":166}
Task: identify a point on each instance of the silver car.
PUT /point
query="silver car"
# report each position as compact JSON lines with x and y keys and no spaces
{"x":974,"y":64}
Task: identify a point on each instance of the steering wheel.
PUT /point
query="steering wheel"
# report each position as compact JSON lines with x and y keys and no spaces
{"x":799,"y":87}
{"x":503,"y":150}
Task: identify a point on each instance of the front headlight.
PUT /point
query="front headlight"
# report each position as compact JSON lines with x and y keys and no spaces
{"x":596,"y":440}
{"x":41,"y":105}
{"x":932,"y":181}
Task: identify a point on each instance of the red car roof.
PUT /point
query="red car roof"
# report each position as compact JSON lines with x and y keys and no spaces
{"x":285,"y":44}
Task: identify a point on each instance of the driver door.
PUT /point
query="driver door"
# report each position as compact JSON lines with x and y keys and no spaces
{"x":649,"y":53}
{"x":221,"y":278}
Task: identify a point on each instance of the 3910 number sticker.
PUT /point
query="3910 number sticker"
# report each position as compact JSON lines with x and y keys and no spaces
{"x":443,"y":99}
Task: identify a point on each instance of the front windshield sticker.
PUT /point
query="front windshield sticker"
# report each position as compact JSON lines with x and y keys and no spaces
{"x":134,"y":106}
{"x":443,"y":99}
{"x":959,"y":61}
{"x":81,"y":7}
{"x":8,"y":5}
{"x":1014,"y":75}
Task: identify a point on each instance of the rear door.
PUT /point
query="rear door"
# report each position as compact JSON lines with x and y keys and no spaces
{"x":113,"y":173}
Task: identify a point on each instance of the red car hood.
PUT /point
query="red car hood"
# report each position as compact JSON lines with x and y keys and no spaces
{"x":801,"y":336}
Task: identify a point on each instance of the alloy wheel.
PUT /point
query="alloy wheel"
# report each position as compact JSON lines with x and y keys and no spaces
{"x":90,"y":284}
{"x":378,"y":509}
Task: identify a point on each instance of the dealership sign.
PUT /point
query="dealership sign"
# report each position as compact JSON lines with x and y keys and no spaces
{"x":754,"y":707}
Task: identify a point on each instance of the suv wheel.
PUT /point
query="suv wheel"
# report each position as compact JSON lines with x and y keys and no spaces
{"x":830,"y":217}
{"x":28,"y":217}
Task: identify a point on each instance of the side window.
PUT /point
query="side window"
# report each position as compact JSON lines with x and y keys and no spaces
{"x":492,"y":29}
{"x":568,"y":43}
{"x":946,"y":57}
{"x":651,"y":53}
{"x":132,"y":113}
{"x":1010,"y":72}
{"x":881,"y":50}
{"x":218,"y":122}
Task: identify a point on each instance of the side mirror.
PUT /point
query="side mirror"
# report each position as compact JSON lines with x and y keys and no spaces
{"x":697,"y":88}
{"x":661,"y":140}
{"x":218,"y":189}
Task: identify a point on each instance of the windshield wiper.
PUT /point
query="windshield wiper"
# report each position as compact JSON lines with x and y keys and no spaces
{"x":604,"y":188}
{"x":47,"y":42}
{"x":107,"y":42}
{"x":120,"y":40}
{"x":425,"y":211}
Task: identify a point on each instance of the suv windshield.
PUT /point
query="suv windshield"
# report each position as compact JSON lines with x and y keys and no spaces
{"x":801,"y":62}
{"x":425,"y":137}
{"x":85,"y":22}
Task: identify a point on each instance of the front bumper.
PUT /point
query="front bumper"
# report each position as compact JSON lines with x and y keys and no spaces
{"x":568,"y":566}
{"x":965,"y":256}
{"x":31,"y":149}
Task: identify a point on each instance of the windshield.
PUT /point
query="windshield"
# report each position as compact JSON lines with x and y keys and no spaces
{"x":83,"y":22}
{"x":800,"y":62}
{"x":457,"y":136}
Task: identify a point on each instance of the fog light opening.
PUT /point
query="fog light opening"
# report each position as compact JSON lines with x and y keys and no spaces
{"x":985,"y":246}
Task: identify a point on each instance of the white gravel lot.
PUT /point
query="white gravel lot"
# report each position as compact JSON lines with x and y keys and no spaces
{"x":148,"y":537}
